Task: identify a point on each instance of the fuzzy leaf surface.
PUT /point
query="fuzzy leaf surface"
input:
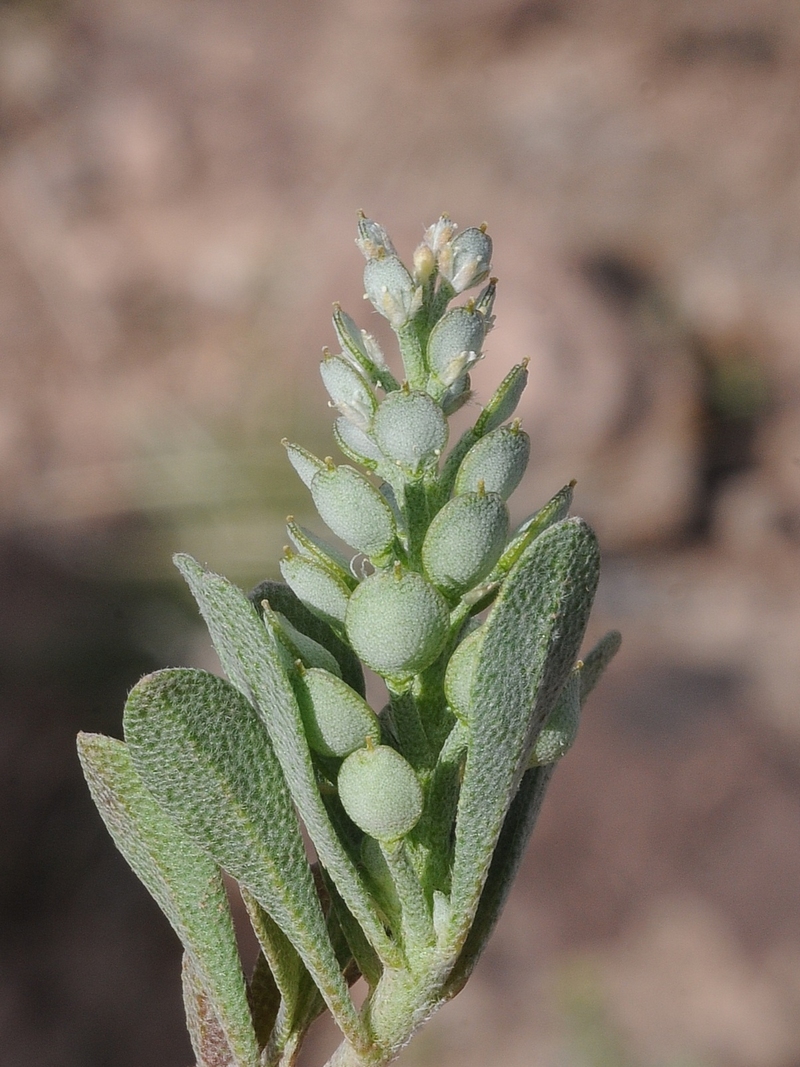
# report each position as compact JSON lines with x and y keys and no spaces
{"x":249,"y":655}
{"x":184,"y":881}
{"x":531,"y":642}
{"x":205,"y":1032}
{"x":203,"y":752}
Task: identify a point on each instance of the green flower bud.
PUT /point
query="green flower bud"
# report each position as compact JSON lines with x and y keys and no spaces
{"x":380,"y":792}
{"x":372,"y":239}
{"x":308,"y":544}
{"x":319,"y":589}
{"x":561,"y":728}
{"x":336,"y":719}
{"x":304,"y":462}
{"x":504,"y":402}
{"x":299,"y":646}
{"x":424,"y":263}
{"x":467,"y":260}
{"x":411,"y":430}
{"x":397,"y":622}
{"x":498,"y":460}
{"x":464,"y":541}
{"x":354,"y":510}
{"x":356,"y":444}
{"x":460,"y":674}
{"x":391,"y":290}
{"x":349,"y":391}
{"x":455,"y":344}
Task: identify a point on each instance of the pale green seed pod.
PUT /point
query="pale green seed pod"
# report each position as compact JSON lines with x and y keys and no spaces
{"x":318,"y":588}
{"x":411,"y":430}
{"x":497,"y":460}
{"x":455,"y":344}
{"x":357,"y":445}
{"x":336,"y":719}
{"x":380,"y":792}
{"x":468,"y":259}
{"x":304,"y":462}
{"x":354,"y":509}
{"x":397,"y":622}
{"x":460,"y":675}
{"x":363,"y":349}
{"x":298,"y":645}
{"x":464,"y":541}
{"x":372,"y":239}
{"x":557,"y":735}
{"x":391,"y":290}
{"x":349,"y":391}
{"x":504,"y":402}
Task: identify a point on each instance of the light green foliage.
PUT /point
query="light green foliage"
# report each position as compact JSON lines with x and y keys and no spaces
{"x":419,"y":817}
{"x":380,"y":792}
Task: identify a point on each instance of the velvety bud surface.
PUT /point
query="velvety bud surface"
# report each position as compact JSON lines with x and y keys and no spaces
{"x":354,"y":509}
{"x":314,"y":584}
{"x":460,"y":674}
{"x":498,"y":460}
{"x":380,"y":792}
{"x":349,"y":391}
{"x":410,"y":429}
{"x":397,"y":622}
{"x":336,"y":719}
{"x":391,"y":290}
{"x":455,"y":343}
{"x":465,"y":540}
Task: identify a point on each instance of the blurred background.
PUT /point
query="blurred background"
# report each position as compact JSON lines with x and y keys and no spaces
{"x":178,"y":188}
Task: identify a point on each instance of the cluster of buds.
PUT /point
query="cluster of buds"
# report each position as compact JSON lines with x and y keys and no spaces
{"x":419,"y":813}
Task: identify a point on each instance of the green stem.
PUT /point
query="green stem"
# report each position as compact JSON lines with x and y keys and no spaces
{"x":413,"y":356}
{"x":416,"y":921}
{"x":411,"y":736}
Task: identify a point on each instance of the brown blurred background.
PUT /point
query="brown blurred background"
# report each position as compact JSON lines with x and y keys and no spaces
{"x":178,"y":187}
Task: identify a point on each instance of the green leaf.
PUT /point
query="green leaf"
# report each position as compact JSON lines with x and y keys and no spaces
{"x":205,"y":1032}
{"x":532,"y":639}
{"x":185,"y":882}
{"x":249,"y":656}
{"x":203,"y":752}
{"x":596,"y":661}
{"x":506,"y":860}
{"x":281,"y":598}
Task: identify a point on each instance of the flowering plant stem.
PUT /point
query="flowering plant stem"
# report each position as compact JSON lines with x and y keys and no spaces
{"x":419,"y":813}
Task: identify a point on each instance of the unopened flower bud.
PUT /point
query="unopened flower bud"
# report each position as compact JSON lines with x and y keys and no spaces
{"x":456,"y":395}
{"x":410,"y":430}
{"x":380,"y":792}
{"x":424,"y":263}
{"x":469,"y":259}
{"x":372,"y":239}
{"x":439,"y":235}
{"x":308,"y":544}
{"x":336,"y":719}
{"x":498,"y":461}
{"x":319,"y":589}
{"x":354,"y":510}
{"x":397,"y":622}
{"x":485,"y":303}
{"x":464,"y":541}
{"x":392,"y":291}
{"x":356,"y":444}
{"x":460,"y":675}
{"x":455,"y":344}
{"x":557,"y":735}
{"x":349,"y":391}
{"x":362,"y":348}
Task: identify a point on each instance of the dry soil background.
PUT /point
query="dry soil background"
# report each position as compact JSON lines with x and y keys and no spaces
{"x":178,"y":187}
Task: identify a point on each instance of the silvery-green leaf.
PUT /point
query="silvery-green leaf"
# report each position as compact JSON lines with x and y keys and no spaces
{"x":183,"y":879}
{"x":510,"y":849}
{"x":318,"y":588}
{"x":206,"y":757}
{"x":531,"y":642}
{"x":250,"y":659}
{"x":504,"y":402}
{"x":308,"y":544}
{"x":560,"y":728}
{"x":209,"y":1042}
{"x":497,"y":460}
{"x":281,"y":598}
{"x":354,"y":510}
{"x":556,"y":509}
{"x":349,"y":391}
{"x":357,"y":445}
{"x":304,"y":462}
{"x":596,"y":661}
